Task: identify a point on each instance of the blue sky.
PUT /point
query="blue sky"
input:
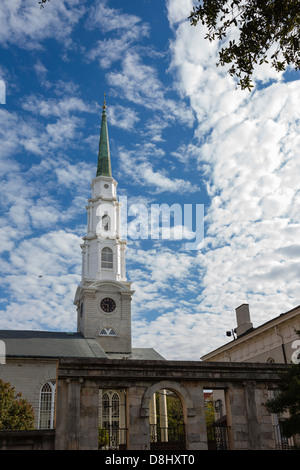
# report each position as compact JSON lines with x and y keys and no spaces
{"x":180,"y":133}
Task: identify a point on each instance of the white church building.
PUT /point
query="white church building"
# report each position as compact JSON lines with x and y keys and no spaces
{"x":103,"y":301}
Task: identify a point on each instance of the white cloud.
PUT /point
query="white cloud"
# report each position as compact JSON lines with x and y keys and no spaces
{"x":68,"y":175}
{"x":144,"y":173}
{"x":19,"y":132}
{"x":178,"y":11}
{"x":110,"y":19}
{"x":50,"y":254}
{"x":120,"y":116}
{"x":8,"y":236}
{"x":27,"y":25}
{"x":107,"y":51}
{"x":251,"y":248}
{"x":111,"y":50}
{"x":42,"y":278}
{"x":31,"y":190}
{"x":164,"y":265}
{"x":123,"y":31}
{"x":139,"y":83}
{"x":54,"y":107}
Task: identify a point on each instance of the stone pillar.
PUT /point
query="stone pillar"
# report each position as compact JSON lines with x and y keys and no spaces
{"x":67,"y":415}
{"x":253,"y":425}
{"x":242,"y":417}
{"x":89,"y":411}
{"x":236,"y":418}
{"x":196,"y":434}
{"x":265,"y":418}
{"x":139,"y":428}
{"x":73,"y":415}
{"x":61,"y":413}
{"x":76,"y":416}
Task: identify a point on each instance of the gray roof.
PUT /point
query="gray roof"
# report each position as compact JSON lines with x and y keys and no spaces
{"x":56,"y":345}
{"x":50,"y":344}
{"x":144,"y":354}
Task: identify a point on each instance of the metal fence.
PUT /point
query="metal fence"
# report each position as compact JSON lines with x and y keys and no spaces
{"x":217,"y":436}
{"x":167,"y":438}
{"x":282,"y":442}
{"x":112,"y":438}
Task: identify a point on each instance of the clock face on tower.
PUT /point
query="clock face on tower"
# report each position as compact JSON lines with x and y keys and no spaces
{"x":108,"y":305}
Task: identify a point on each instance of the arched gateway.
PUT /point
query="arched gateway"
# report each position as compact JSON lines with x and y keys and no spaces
{"x":166,"y":403}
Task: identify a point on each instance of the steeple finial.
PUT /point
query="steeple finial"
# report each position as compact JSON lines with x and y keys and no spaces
{"x":104,"y":165}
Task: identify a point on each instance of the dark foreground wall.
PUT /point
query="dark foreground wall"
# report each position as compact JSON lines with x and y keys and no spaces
{"x":245,"y":387}
{"x":27,"y":440}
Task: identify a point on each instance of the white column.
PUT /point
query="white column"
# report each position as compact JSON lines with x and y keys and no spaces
{"x":163,"y":412}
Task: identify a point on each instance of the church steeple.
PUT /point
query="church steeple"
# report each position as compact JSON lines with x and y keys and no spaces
{"x":103,"y":249}
{"x":103,"y":297}
{"x":104,"y":164}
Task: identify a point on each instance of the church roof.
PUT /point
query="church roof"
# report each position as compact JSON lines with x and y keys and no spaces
{"x":146,"y":354}
{"x":104,"y":164}
{"x":58,"y":345}
{"x":49,"y":344}
{"x":143,"y":354}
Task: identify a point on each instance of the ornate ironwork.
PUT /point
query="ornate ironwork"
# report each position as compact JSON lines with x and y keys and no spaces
{"x":168,"y":438}
{"x":282,"y":442}
{"x":217,"y":436}
{"x":112,"y":438}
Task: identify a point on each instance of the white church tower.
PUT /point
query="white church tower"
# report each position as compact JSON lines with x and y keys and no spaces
{"x":103,"y":298}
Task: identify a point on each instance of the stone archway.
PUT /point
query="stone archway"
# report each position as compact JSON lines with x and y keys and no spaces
{"x":168,"y":437}
{"x":182,"y":392}
{"x":167,"y":428}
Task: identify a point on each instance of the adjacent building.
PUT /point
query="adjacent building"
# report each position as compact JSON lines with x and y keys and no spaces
{"x":275,"y":341}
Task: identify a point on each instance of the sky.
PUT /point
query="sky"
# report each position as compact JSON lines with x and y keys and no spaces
{"x":181,"y":132}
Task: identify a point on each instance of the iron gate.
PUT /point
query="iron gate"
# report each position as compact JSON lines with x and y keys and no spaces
{"x":170,"y":438}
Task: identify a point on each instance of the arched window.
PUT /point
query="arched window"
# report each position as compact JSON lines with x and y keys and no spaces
{"x":110,"y":410}
{"x":47,"y":404}
{"x":112,"y":419}
{"x":105,"y":411}
{"x":115,"y":410}
{"x":106,"y":222}
{"x":107,"y":258}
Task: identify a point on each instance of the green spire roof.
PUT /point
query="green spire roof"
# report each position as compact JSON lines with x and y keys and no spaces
{"x":104,"y":165}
